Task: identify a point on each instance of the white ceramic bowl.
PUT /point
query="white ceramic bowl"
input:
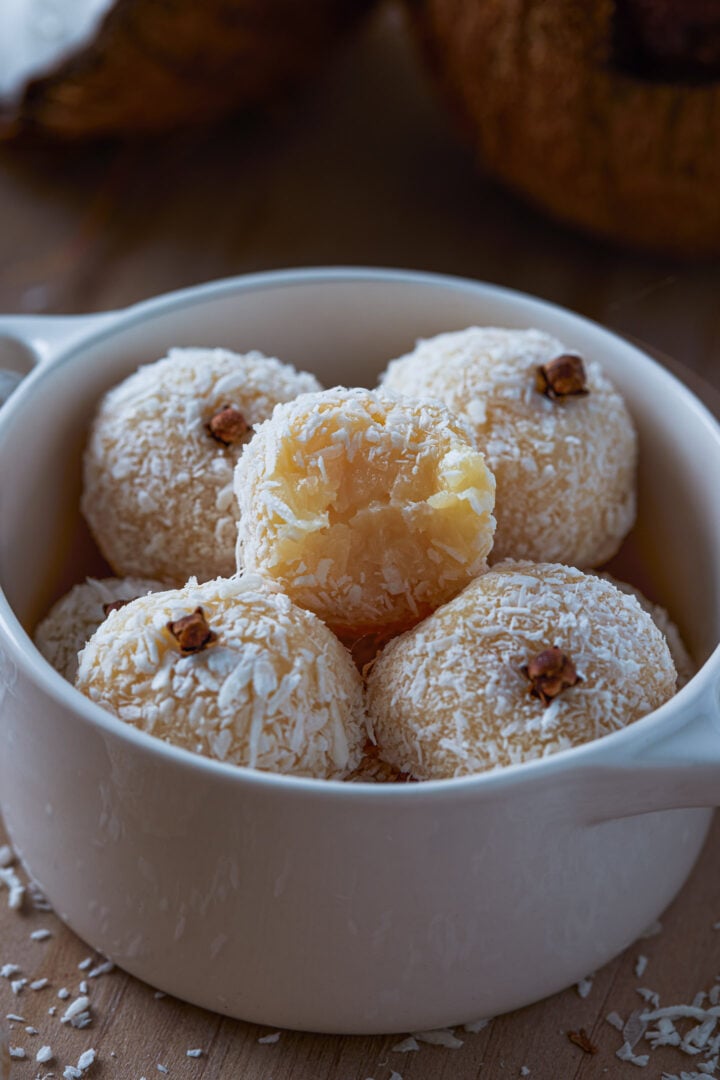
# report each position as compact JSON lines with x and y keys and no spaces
{"x":311,"y":904}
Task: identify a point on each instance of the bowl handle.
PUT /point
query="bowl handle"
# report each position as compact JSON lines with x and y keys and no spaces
{"x":29,"y":340}
{"x":679,"y":771}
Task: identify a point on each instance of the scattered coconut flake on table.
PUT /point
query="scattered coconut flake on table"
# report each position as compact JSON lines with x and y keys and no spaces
{"x":16,"y":1052}
{"x":194,"y":1053}
{"x":7,"y":856}
{"x":270,"y":1038}
{"x":652,"y":930}
{"x":40,"y":935}
{"x":640,"y":965}
{"x":14,"y":886}
{"x":651,"y":996}
{"x":405,"y":1046}
{"x":439,"y":1037}
{"x":102,"y":969}
{"x":584,"y":986}
{"x":75,"y":1009}
{"x":44,"y":1055}
{"x":615,"y":1020}
{"x":626,"y":1053}
{"x":86,"y":1059}
{"x":477,"y":1025}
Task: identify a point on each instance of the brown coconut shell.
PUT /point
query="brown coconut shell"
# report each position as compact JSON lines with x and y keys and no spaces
{"x":154,"y":65}
{"x":599,"y":112}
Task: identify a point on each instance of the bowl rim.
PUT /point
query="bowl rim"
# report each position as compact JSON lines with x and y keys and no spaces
{"x":603,"y":752}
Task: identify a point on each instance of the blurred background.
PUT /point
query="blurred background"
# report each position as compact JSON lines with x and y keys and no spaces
{"x":362,"y":163}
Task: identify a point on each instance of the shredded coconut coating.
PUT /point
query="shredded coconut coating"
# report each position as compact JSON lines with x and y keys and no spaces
{"x":75,"y":617}
{"x":565,"y":470}
{"x":275,"y":691}
{"x":158,"y":490}
{"x":370,"y":510}
{"x":450,"y":698}
{"x":685,"y":666}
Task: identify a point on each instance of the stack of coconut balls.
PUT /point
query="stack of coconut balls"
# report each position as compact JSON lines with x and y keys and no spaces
{"x":366,"y":584}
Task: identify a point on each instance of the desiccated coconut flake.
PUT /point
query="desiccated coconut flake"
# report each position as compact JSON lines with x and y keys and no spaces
{"x":44,"y":1055}
{"x":39,"y":984}
{"x":102,"y":969}
{"x":71,"y":1072}
{"x":7,"y":856}
{"x":8,"y":970}
{"x":85,"y":964}
{"x":626,"y":1053}
{"x":395,"y":1076}
{"x":477,"y":1025}
{"x":615,"y":1020}
{"x":15,"y":1017}
{"x":16,"y":1052}
{"x":40,"y":935}
{"x":17,"y":984}
{"x":83,"y":987}
{"x":439,"y":1037}
{"x":405,"y":1046}
{"x":37,"y":898}
{"x":194,"y":1053}
{"x":79,"y":1005}
{"x":162,"y":1068}
{"x":584,"y":987}
{"x":640,"y":965}
{"x":652,"y":930}
{"x":32,"y":1031}
{"x":664,"y":1034}
{"x":86,"y":1059}
{"x":63,"y":993}
{"x":273,"y":1038}
{"x":15,"y":887}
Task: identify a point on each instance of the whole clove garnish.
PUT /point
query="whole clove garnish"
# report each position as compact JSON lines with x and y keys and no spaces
{"x":192,"y":632}
{"x":550,"y":672}
{"x":228,"y":426}
{"x":562,"y":377}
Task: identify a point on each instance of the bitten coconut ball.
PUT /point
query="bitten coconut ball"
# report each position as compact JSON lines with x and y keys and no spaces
{"x":555,"y":432}
{"x":231,"y":669}
{"x":367,"y":509}
{"x":76,"y":616}
{"x":159,"y":462}
{"x":529,"y":659}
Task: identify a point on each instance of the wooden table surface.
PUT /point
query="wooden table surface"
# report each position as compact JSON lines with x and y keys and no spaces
{"x":363,"y":169}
